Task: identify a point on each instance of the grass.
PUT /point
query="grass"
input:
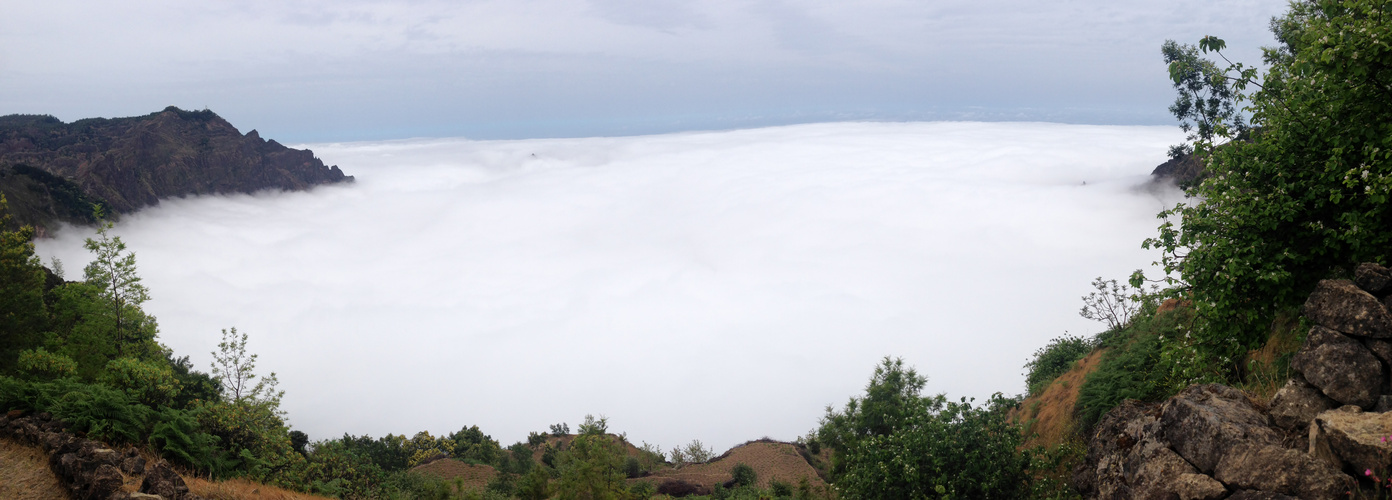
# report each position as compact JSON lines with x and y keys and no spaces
{"x":24,"y":473}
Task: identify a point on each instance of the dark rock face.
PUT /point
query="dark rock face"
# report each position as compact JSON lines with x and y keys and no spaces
{"x":163,"y":481}
{"x":1184,"y":171}
{"x":1372,"y":278}
{"x":1340,"y":367}
{"x":1203,"y":422}
{"x":1297,"y":403}
{"x":130,"y":163}
{"x":1280,"y":470}
{"x":1341,"y":305}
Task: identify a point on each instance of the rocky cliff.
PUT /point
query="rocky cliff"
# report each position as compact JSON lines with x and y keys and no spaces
{"x":130,"y":163}
{"x":1323,"y":435}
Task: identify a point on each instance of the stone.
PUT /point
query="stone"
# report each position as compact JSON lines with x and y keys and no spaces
{"x":106,"y":456}
{"x":134,"y":466}
{"x":1297,"y":403}
{"x":161,"y":480}
{"x":1276,"y":469}
{"x":1204,"y":422}
{"x":105,"y":481}
{"x":1372,"y":278}
{"x":1198,"y":487}
{"x":1340,"y":367}
{"x":1153,"y":470}
{"x":1350,"y":437}
{"x":1259,"y":495}
{"x":1340,"y":305}
{"x":1104,"y":475}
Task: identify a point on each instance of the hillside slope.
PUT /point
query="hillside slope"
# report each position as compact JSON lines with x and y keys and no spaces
{"x":130,"y":163}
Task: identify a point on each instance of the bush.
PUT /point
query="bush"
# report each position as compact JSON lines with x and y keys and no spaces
{"x":743,"y":475}
{"x":1054,"y":359}
{"x":43,"y":364}
{"x":534,"y":485}
{"x":780,"y":489}
{"x":561,"y":429}
{"x":151,"y":383}
{"x":1145,"y":361}
{"x":895,"y":443}
{"x":642,"y":490}
{"x":632,"y":468}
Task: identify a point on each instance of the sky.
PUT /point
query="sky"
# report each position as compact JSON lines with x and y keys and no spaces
{"x":304,"y":71}
{"x":720,"y":286}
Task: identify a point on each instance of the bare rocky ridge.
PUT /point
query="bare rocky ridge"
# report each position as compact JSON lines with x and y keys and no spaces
{"x":130,"y":163}
{"x":1323,"y":431}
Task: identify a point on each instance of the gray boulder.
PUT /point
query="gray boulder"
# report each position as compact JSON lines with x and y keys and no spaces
{"x":1198,"y":487}
{"x":1372,"y":278}
{"x":1279,"y":470}
{"x":1340,"y":367}
{"x":1297,"y":403}
{"x":1349,"y":437}
{"x":1203,"y":422}
{"x":1341,"y":305}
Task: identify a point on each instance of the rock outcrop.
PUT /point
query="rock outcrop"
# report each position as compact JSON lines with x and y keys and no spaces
{"x":91,"y":470}
{"x":129,"y":163}
{"x":1322,"y":432}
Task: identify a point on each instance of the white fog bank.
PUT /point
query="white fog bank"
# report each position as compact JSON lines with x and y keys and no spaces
{"x":721,"y":286}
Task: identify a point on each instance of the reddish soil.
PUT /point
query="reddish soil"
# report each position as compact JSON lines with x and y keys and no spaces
{"x":1048,"y":416}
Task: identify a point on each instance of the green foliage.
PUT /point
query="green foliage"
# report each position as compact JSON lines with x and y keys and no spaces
{"x":694,"y":452}
{"x":1052,"y":360}
{"x":895,"y":443}
{"x":743,"y":475}
{"x":592,"y":468}
{"x":121,"y":293}
{"x":594,"y":426}
{"x":43,"y":364}
{"x":235,"y":371}
{"x":22,"y":314}
{"x":151,"y":383}
{"x":632,"y":468}
{"x":1149,"y":361}
{"x":178,"y":437}
{"x":472,"y":445}
{"x":101,"y":412}
{"x":1307,"y":196}
{"x":642,"y":490}
{"x":561,"y":429}
{"x":780,"y":489}
{"x":536,"y":439}
{"x":534,"y":485}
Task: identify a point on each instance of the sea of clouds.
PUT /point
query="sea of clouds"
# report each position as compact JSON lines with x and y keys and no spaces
{"x":720,"y":286}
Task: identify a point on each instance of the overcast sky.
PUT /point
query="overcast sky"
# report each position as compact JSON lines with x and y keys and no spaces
{"x":352,"y":70}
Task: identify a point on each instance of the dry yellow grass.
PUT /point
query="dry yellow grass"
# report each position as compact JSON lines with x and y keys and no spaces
{"x":240,"y":489}
{"x":1048,"y":416}
{"x":24,"y":473}
{"x":771,"y":460}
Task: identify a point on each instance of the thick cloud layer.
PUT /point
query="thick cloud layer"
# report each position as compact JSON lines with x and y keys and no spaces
{"x":721,"y":286}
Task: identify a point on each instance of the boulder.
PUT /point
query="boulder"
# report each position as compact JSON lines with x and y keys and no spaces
{"x":1275,"y":469}
{"x":1103,"y":475}
{"x":1198,"y":487}
{"x":1297,"y":403}
{"x":161,"y":480}
{"x":1340,"y":305}
{"x":1340,"y":367}
{"x":134,"y":466}
{"x":1204,"y":422}
{"x":105,"y":481}
{"x":1259,"y":495}
{"x":1372,"y":278}
{"x":1349,"y":437}
{"x":1153,"y":470}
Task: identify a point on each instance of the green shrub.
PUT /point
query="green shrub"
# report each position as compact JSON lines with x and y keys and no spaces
{"x":743,"y":475}
{"x":780,"y":489}
{"x":535,"y":439}
{"x":642,"y":490}
{"x":1054,"y":359}
{"x":151,"y":383}
{"x":40,"y":363}
{"x":632,"y":468}
{"x":534,"y":485}
{"x":176,"y":436}
{"x":1145,"y":361}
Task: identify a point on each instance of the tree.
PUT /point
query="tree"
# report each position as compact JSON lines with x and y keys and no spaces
{"x":235,"y":371}
{"x":22,"y":315}
{"x":1306,"y":197}
{"x":896,"y":443}
{"x":113,"y":272}
{"x":592,"y":468}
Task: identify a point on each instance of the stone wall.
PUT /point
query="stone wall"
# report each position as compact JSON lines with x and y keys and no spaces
{"x":91,"y":470}
{"x":1323,"y":432}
